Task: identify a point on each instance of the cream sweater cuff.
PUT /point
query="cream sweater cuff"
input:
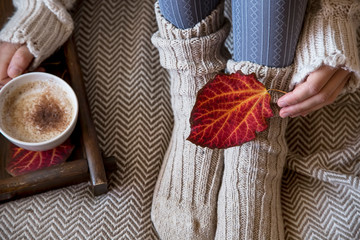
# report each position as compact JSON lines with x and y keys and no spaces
{"x":43,"y":25}
{"x":329,"y":37}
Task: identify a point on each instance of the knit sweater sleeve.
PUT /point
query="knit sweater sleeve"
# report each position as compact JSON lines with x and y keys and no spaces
{"x":43,"y":25}
{"x":330,"y":36}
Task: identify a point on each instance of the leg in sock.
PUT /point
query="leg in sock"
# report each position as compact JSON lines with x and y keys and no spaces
{"x":266,"y":32}
{"x":186,"y":13}
{"x":249,"y":199}
{"x":185,"y":197}
{"x":249,"y":207}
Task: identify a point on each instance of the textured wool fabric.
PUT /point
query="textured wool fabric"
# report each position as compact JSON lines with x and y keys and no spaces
{"x":320,"y":187}
{"x":185,"y":197}
{"x":42,"y":25}
{"x":186,"y":13}
{"x":320,"y":192}
{"x":330,"y":37}
{"x":266,"y":32}
{"x":128,"y":93}
{"x":249,"y":204}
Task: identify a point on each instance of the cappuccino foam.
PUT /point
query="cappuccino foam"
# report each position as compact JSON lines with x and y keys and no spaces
{"x":37,"y":111}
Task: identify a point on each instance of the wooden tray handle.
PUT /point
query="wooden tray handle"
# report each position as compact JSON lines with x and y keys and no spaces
{"x":93,"y":154}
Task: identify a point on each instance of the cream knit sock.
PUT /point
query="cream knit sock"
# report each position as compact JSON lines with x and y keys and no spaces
{"x":249,"y":200}
{"x":43,"y":25}
{"x":185,"y":197}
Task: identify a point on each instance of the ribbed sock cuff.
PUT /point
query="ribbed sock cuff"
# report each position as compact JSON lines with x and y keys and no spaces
{"x":209,"y":25}
{"x":196,"y":51}
{"x":271,"y":77}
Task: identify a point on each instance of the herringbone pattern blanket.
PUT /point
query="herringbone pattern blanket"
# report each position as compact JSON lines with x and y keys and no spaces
{"x":129,"y":97}
{"x":130,"y":103}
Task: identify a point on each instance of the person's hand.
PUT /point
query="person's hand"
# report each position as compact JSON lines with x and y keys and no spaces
{"x":320,"y":89}
{"x":14,"y":60}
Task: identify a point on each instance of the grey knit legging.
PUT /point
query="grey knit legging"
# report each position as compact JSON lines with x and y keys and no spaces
{"x":265,"y":32}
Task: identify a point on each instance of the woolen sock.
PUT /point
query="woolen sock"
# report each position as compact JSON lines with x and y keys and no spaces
{"x":249,"y":204}
{"x":185,"y":196}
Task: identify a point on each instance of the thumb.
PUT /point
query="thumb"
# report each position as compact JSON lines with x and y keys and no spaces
{"x":20,"y":61}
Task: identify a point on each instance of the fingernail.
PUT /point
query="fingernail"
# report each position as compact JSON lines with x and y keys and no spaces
{"x":282,"y":103}
{"x":285,"y":114}
{"x":14,"y":71}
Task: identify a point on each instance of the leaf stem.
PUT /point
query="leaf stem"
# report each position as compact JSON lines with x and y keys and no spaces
{"x":277,"y":90}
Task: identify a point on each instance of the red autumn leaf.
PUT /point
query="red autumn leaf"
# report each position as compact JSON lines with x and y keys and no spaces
{"x":23,"y":161}
{"x":229,"y":110}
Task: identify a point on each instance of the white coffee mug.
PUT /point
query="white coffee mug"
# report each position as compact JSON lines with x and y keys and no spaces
{"x":33,"y":105}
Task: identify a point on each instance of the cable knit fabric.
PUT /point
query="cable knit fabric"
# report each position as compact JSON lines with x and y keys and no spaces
{"x":43,"y":25}
{"x":330,"y":37}
{"x":249,"y":205}
{"x":185,"y":196}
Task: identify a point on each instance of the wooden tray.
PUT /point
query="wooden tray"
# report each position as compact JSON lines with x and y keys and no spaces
{"x":85,"y":163}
